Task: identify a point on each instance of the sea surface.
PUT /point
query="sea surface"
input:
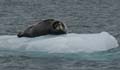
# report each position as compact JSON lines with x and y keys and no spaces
{"x":81,"y":16}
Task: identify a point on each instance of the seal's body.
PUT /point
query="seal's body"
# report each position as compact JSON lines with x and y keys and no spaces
{"x":49,"y":26}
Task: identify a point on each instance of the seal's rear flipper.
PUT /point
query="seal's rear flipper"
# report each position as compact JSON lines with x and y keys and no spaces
{"x":20,"y":34}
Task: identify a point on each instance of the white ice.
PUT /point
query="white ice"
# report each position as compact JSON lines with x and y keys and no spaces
{"x":69,"y":43}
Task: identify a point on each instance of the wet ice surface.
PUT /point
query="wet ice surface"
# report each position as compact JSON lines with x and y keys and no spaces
{"x":81,"y":16}
{"x":67,"y":43}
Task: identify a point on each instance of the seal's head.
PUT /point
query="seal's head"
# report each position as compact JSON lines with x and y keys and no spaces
{"x":58,"y":28}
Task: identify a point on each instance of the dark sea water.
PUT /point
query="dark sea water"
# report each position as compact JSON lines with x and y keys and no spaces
{"x":81,"y":16}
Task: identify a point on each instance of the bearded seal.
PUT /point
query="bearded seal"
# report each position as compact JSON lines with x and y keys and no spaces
{"x":45,"y":27}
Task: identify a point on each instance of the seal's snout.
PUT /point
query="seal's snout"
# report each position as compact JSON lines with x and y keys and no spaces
{"x":60,"y":27}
